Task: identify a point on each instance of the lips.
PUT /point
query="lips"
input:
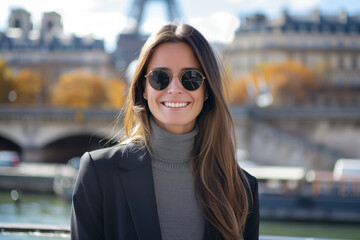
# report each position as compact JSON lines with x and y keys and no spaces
{"x":175,"y":105}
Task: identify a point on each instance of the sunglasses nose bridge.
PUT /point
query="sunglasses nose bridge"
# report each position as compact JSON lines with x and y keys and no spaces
{"x":173,"y":76}
{"x":175,"y":85}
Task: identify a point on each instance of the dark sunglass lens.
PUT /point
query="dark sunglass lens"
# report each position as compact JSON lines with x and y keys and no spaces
{"x":158,"y":79}
{"x":191,"y":80}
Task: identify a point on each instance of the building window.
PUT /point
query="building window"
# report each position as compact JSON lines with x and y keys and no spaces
{"x":17,"y":23}
{"x":354,"y":80}
{"x":353,"y":44}
{"x":353,"y":29}
{"x":49,"y":25}
{"x":339,"y":29}
{"x":341,"y":62}
{"x":290,"y":28}
{"x":347,"y":62}
{"x":326,"y":29}
{"x":302,"y":28}
{"x":302,"y":44}
{"x":314,"y":28}
{"x":327,"y":44}
{"x":277,"y":30}
{"x":340,"y":80}
{"x":340,"y":44}
{"x":315,"y":44}
{"x":353,"y":62}
{"x":290,"y":43}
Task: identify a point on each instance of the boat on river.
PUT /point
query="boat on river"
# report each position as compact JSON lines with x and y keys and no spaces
{"x":292,"y":193}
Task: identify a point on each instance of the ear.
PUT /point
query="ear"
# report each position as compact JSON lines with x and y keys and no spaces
{"x":206,"y":95}
{"x":145,"y":95}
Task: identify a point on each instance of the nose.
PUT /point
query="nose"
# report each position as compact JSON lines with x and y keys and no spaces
{"x":175,"y":86}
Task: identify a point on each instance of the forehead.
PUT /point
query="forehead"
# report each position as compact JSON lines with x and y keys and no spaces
{"x":174,"y":56}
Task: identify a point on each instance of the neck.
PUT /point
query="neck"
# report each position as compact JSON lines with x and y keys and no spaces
{"x":170,"y":147}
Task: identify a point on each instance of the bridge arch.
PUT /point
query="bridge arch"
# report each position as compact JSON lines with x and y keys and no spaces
{"x":8,"y":144}
{"x":62,"y":149}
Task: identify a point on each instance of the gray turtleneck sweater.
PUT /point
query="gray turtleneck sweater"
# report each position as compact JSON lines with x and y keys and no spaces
{"x":179,"y":213}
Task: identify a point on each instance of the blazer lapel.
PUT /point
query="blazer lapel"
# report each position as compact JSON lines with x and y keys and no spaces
{"x":140,"y":193}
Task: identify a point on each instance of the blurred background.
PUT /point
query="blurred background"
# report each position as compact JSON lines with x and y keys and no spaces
{"x":294,"y":93}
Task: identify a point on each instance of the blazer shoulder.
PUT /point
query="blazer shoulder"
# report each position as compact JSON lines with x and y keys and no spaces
{"x":252,"y":187}
{"x":126,"y":156}
{"x":252,"y":180}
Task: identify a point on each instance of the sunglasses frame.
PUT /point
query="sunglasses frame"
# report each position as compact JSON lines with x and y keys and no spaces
{"x":179,"y":76}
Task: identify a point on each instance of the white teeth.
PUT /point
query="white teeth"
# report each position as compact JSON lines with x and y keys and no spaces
{"x":175,"y":105}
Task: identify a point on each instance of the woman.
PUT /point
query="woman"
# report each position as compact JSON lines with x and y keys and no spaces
{"x":175,"y":175}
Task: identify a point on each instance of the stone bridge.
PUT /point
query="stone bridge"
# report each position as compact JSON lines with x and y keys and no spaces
{"x":308,"y":137}
{"x":53,"y":135}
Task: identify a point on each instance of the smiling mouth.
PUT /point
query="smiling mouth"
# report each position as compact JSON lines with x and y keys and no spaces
{"x":176,"y":105}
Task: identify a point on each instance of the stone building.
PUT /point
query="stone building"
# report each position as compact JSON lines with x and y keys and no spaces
{"x":330,"y":43}
{"x":20,"y":19}
{"x":49,"y":50}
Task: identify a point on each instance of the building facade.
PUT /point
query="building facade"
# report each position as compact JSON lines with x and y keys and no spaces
{"x":49,"y":50}
{"x":331,"y":43}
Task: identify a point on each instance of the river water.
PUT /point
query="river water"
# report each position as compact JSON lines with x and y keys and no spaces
{"x":50,"y":210}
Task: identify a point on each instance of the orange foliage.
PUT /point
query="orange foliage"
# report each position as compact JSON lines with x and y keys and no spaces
{"x":28,"y":85}
{"x":237,"y":91}
{"x":287,"y":82}
{"x":6,"y":84}
{"x":79,"y":89}
{"x":116,"y":90}
{"x":290,"y":79}
{"x":83,"y":90}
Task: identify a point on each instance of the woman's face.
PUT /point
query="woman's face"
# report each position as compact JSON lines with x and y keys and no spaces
{"x":174,"y":108}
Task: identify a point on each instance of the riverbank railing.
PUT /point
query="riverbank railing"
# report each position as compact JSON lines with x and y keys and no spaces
{"x":64,"y":232}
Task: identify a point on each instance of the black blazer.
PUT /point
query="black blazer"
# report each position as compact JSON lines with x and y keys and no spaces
{"x":114,"y":198}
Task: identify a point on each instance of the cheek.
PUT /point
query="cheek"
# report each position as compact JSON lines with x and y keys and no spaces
{"x":201,"y":94}
{"x":199,"y":100}
{"x":148,"y":91}
{"x":150,"y":94}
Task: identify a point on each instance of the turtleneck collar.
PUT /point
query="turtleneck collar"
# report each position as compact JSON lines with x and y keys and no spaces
{"x":170,"y":147}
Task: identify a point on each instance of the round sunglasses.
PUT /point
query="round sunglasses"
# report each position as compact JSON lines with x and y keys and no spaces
{"x":191,"y":79}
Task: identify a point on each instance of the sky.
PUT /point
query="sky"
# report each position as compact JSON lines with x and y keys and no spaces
{"x":216,"y":19}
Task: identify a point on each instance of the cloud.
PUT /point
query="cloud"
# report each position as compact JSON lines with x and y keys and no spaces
{"x":101,"y":25}
{"x":237,"y":1}
{"x":218,"y":27}
{"x":301,"y":5}
{"x":152,"y":24}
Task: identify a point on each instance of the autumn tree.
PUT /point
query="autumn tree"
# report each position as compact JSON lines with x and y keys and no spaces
{"x":79,"y":89}
{"x":28,"y":85}
{"x":290,"y":81}
{"x":237,"y":91}
{"x":6,"y":82}
{"x":116,"y":92}
{"x":287,"y":82}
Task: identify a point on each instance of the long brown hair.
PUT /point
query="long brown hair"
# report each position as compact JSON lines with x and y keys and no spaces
{"x":218,"y":179}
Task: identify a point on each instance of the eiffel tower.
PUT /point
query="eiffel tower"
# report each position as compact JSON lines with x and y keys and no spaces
{"x":138,"y":10}
{"x":130,"y":43}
